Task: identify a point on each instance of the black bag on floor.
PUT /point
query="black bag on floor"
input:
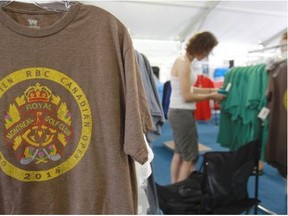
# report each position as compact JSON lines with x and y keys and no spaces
{"x":220,"y":187}
{"x":185,"y":197}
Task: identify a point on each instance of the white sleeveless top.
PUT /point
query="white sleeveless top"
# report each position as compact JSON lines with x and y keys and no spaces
{"x":176,"y":99}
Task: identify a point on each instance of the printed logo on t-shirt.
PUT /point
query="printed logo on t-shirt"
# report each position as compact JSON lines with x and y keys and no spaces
{"x":38,"y":125}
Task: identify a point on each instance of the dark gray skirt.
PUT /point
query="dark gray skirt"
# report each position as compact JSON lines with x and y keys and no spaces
{"x":185,"y":133}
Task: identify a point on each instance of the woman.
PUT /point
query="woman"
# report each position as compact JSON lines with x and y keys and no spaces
{"x":182,"y":104}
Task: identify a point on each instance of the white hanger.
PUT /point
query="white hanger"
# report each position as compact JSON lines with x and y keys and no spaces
{"x":56,"y":6}
{"x":4,"y":3}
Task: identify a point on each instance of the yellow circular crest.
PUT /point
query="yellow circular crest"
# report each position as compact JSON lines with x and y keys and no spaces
{"x":42,"y":93}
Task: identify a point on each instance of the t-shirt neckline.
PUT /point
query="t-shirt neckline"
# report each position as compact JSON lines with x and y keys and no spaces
{"x":37,"y":32}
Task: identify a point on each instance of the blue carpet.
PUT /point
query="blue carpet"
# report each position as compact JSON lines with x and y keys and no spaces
{"x":272,"y":187}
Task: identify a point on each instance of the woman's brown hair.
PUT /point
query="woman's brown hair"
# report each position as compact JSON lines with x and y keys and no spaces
{"x":202,"y":42}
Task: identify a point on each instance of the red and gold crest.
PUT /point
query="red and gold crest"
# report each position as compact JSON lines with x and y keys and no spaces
{"x":38,"y":126}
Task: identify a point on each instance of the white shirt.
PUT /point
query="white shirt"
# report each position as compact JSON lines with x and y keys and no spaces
{"x":176,"y":99}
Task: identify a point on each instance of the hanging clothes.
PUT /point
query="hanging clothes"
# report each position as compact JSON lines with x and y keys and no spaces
{"x":166,"y":97}
{"x":73,"y":111}
{"x":203,"y":108}
{"x":153,"y":99}
{"x":239,"y":122}
{"x":155,"y":106}
{"x":143,"y":172}
{"x":276,"y":149}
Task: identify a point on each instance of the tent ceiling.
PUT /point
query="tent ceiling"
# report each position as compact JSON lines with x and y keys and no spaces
{"x":243,"y":22}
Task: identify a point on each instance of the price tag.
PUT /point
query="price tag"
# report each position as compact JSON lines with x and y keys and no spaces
{"x":263,"y":114}
{"x":228,"y":87}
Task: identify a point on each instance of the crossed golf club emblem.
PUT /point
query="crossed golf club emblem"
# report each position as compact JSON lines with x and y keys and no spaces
{"x":26,"y":161}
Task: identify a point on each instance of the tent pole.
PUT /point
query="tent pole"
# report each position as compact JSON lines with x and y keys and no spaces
{"x":268,"y":48}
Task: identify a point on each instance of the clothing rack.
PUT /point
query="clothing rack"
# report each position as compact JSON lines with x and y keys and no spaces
{"x":262,"y":208}
{"x":266,"y":210}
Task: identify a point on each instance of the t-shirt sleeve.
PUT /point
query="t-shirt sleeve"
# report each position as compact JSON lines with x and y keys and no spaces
{"x":137,"y":119}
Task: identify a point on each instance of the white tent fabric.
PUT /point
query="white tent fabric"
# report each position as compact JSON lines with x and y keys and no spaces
{"x":245,"y":22}
{"x":160,"y":28}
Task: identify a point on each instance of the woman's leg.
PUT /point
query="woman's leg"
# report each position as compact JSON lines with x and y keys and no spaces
{"x":185,"y":170}
{"x":175,"y":167}
{"x":180,"y":169}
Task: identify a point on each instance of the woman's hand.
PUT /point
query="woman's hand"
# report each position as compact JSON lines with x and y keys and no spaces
{"x":217,"y":97}
{"x":213,"y":90}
